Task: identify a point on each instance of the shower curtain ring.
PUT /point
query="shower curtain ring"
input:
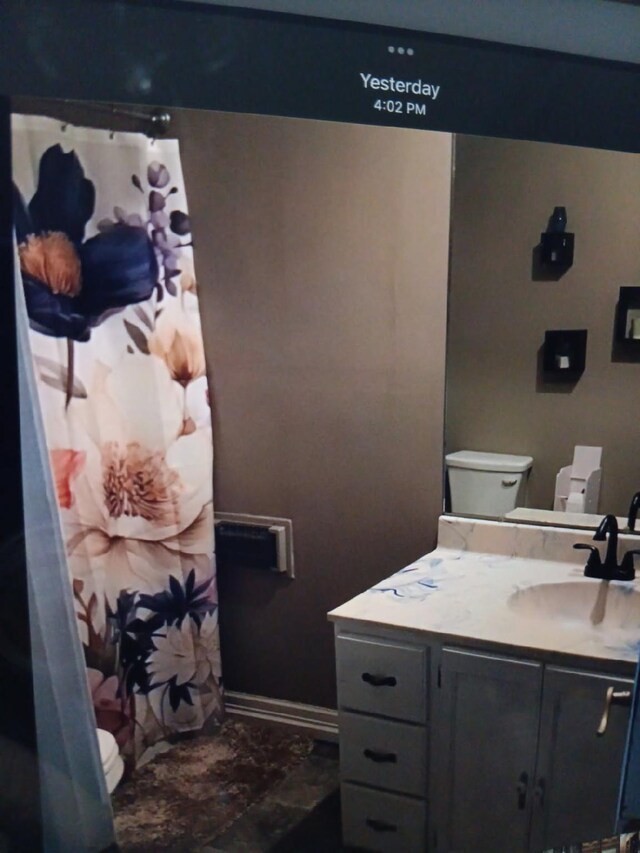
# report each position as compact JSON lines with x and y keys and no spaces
{"x":160,"y":120}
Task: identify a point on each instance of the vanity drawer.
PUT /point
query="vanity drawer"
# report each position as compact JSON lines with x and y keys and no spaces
{"x":381,"y":822}
{"x":381,"y":678}
{"x":384,"y":754}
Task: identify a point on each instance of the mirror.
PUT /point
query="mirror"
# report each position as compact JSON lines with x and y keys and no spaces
{"x":535,"y":367}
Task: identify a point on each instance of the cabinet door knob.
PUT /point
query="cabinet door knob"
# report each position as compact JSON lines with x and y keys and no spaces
{"x":538,"y":792}
{"x":379,"y":680}
{"x":521,"y":790}
{"x":613,"y":697}
{"x":381,"y":825}
{"x":380,"y":757}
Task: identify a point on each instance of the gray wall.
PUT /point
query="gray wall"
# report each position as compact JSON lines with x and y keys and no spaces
{"x":504,"y":193}
{"x":321,"y":253}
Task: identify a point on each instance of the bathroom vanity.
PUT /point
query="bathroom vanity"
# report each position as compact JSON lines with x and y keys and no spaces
{"x":471,"y":688}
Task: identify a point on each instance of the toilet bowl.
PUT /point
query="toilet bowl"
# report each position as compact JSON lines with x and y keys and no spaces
{"x":112,"y":763}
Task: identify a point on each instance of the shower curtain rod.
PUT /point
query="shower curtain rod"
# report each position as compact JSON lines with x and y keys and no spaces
{"x":159,"y":118}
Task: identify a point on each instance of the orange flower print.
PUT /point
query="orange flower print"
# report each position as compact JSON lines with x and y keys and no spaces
{"x":66,"y":464}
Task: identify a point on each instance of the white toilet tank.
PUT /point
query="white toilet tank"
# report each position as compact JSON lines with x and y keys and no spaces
{"x":487,"y":483}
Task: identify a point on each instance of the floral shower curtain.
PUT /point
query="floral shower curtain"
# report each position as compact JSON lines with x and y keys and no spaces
{"x":105,"y":253}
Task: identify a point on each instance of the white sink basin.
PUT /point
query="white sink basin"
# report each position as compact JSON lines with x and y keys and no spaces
{"x":613,"y":605}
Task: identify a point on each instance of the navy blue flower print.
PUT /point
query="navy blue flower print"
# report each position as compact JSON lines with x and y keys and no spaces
{"x":72,"y":284}
{"x":172,"y":606}
{"x":133,"y":633}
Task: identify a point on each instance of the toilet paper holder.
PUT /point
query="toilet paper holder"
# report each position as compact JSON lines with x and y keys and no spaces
{"x":578,"y":485}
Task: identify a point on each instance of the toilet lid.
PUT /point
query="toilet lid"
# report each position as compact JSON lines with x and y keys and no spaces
{"x":108,"y":748}
{"x":496,"y":462}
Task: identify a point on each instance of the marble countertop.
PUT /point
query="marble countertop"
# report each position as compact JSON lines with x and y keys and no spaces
{"x":506,"y":586}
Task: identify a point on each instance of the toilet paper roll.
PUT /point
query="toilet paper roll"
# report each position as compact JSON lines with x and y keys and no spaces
{"x":575,"y":502}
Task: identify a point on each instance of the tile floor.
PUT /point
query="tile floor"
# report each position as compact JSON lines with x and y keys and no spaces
{"x":300,"y":814}
{"x":195,"y":790}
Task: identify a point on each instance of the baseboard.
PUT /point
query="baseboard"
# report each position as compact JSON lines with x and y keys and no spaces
{"x":319,"y":722}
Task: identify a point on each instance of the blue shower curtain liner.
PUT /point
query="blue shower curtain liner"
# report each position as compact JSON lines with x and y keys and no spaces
{"x":76,"y":810}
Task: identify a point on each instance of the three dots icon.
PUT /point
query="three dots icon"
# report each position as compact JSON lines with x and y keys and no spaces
{"x":400,"y":50}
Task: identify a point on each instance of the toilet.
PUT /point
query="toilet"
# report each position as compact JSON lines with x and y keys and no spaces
{"x":490,"y":484}
{"x":112,"y":763}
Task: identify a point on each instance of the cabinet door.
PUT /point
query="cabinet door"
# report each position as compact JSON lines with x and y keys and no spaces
{"x":578,"y":773}
{"x":486,"y":752}
{"x":629,"y":797}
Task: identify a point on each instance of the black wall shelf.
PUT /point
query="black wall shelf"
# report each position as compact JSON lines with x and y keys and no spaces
{"x":627,"y":324}
{"x":556,"y":250}
{"x":564,"y":354}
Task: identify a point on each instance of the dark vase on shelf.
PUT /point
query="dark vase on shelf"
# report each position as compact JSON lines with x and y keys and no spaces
{"x":556,"y":244}
{"x":557,"y":221}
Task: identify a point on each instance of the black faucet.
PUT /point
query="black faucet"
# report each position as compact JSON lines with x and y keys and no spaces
{"x":609,"y":525}
{"x":609,"y":570}
{"x":633,"y":511}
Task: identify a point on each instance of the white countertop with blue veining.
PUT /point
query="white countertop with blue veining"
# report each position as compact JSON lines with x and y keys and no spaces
{"x":512,"y":585}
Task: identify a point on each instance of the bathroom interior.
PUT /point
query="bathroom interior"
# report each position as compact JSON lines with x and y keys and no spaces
{"x":384,"y":336}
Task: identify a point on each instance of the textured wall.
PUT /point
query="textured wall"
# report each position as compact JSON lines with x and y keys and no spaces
{"x":321,"y":253}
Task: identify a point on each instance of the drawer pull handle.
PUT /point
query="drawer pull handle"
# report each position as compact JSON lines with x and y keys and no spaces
{"x":379,"y":680}
{"x":380,"y":757}
{"x":381,"y":825}
{"x":618,"y":697}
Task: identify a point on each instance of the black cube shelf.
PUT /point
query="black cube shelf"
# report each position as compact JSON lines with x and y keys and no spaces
{"x":627,"y":326}
{"x":564,"y":354}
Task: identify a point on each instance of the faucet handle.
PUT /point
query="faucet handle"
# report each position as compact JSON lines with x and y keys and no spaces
{"x":627,"y":571}
{"x":593,"y":567}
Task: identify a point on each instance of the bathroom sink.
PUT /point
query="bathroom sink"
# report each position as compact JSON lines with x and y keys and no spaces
{"x":612,"y":606}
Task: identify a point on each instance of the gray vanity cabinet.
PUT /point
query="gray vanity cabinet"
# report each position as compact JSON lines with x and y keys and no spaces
{"x":487,"y":724}
{"x":578,"y":772}
{"x":453,"y":750}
